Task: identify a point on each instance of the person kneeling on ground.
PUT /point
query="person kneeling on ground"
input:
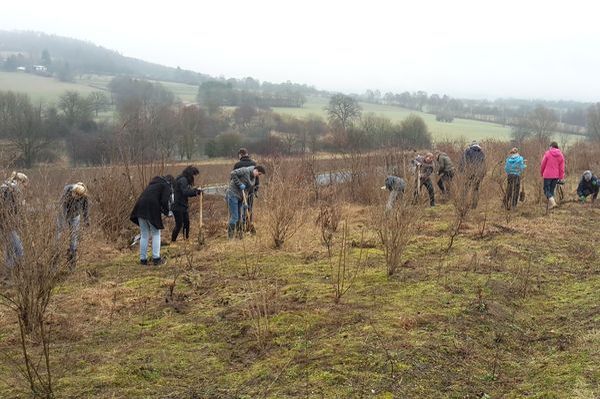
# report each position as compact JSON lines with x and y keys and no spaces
{"x":424,"y":168}
{"x":445,"y":172}
{"x":395,"y":185}
{"x":182,"y":191}
{"x":515,"y":165}
{"x":241,"y":182}
{"x":74,"y":203}
{"x":157,"y":198}
{"x":588,"y":185}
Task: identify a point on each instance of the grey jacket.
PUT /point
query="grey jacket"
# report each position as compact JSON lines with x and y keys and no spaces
{"x":241,"y":176}
{"x":445,"y":165}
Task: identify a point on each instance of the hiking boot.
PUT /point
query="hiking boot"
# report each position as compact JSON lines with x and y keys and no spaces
{"x":230,"y":232}
{"x":144,"y":262}
{"x":551,"y":203}
{"x":158,"y":261}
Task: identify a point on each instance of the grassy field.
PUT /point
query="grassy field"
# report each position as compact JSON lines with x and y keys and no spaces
{"x":49,"y":89}
{"x":468,"y":129}
{"x":510,"y":313}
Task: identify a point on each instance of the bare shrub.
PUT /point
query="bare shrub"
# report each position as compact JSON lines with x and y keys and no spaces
{"x":261,"y":303}
{"x":286,"y":200}
{"x":343,"y":270}
{"x":328,"y":220}
{"x":33,"y":263}
{"x":395,"y":228}
{"x":464,"y":198}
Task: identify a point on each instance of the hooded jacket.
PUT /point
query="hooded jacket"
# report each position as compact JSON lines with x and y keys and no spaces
{"x":515,"y":165}
{"x":445,"y":165}
{"x":395,"y":183}
{"x":553,"y":164}
{"x":155,"y":199}
{"x":473,"y":160}
{"x":588,"y":187}
{"x":9,"y":208}
{"x":241,"y":176}
{"x":244,"y":162}
{"x":183,"y":190}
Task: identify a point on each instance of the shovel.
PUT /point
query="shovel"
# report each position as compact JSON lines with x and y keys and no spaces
{"x":201,"y":238}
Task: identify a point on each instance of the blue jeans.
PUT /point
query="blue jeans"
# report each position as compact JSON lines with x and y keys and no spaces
{"x":14,"y":249}
{"x":73,"y":225}
{"x":549,"y":187}
{"x":147,"y":230}
{"x":234,"y":204}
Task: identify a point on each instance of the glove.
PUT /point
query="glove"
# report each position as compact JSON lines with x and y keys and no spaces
{"x":581,"y":199}
{"x":199,"y":190}
{"x":242,"y":186}
{"x":170,"y":214}
{"x":560,"y":181}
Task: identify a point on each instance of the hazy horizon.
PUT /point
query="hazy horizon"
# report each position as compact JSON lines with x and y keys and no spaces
{"x":533,"y":50}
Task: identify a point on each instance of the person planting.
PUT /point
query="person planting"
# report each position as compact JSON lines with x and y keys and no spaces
{"x":241,"y":182}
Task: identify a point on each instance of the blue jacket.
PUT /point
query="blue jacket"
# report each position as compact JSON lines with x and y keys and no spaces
{"x":515,"y":165}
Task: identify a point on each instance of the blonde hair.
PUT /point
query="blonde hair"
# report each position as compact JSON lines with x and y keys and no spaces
{"x":79,"y":189}
{"x":18,"y":177}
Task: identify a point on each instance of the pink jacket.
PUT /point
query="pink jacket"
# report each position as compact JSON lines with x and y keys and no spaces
{"x":553,"y":164}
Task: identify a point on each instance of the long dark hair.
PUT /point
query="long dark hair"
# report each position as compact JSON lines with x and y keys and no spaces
{"x":189,"y":172}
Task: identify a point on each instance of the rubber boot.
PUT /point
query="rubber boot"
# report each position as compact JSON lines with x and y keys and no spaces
{"x":552,"y":203}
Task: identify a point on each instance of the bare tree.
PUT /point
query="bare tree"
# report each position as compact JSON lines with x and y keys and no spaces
{"x":343,"y":111}
{"x":542,"y":122}
{"x":593,"y":122}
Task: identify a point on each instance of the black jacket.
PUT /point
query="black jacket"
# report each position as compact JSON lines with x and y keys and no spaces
{"x":590,"y":187}
{"x":246,"y":161}
{"x":183,"y":189}
{"x":155,"y":199}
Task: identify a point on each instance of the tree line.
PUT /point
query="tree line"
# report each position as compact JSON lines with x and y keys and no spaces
{"x":150,"y":124}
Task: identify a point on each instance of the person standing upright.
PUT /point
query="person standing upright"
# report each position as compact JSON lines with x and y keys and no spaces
{"x":515,"y":165}
{"x":552,"y":170}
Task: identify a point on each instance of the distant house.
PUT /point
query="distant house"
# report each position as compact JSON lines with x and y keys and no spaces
{"x":21,"y":69}
{"x":40,"y":68}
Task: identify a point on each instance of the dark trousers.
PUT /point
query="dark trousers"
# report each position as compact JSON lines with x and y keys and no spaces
{"x":549,"y":187}
{"x":246,"y":215}
{"x":429,"y":186}
{"x":512,"y":191}
{"x":444,"y":182}
{"x":182,"y":219}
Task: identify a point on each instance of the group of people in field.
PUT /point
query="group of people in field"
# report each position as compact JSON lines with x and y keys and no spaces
{"x":472,"y":165}
{"x":74,"y":210}
{"x":168,"y":196}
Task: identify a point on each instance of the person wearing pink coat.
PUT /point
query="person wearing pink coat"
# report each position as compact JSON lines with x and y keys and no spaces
{"x":552,"y":170}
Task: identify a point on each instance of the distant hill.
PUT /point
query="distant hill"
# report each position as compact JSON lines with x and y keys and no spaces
{"x":80,"y":57}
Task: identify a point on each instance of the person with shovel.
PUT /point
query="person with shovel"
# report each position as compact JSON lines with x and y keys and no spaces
{"x":184,"y":189}
{"x":75,"y":206}
{"x":245,"y":161}
{"x":552,"y":170}
{"x":155,"y":200}
{"x":423,"y":167}
{"x":514,"y":166}
{"x":241,"y":182}
{"x":588,"y":185}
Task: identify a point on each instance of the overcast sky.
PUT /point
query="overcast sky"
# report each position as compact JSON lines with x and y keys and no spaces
{"x":509,"y":48}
